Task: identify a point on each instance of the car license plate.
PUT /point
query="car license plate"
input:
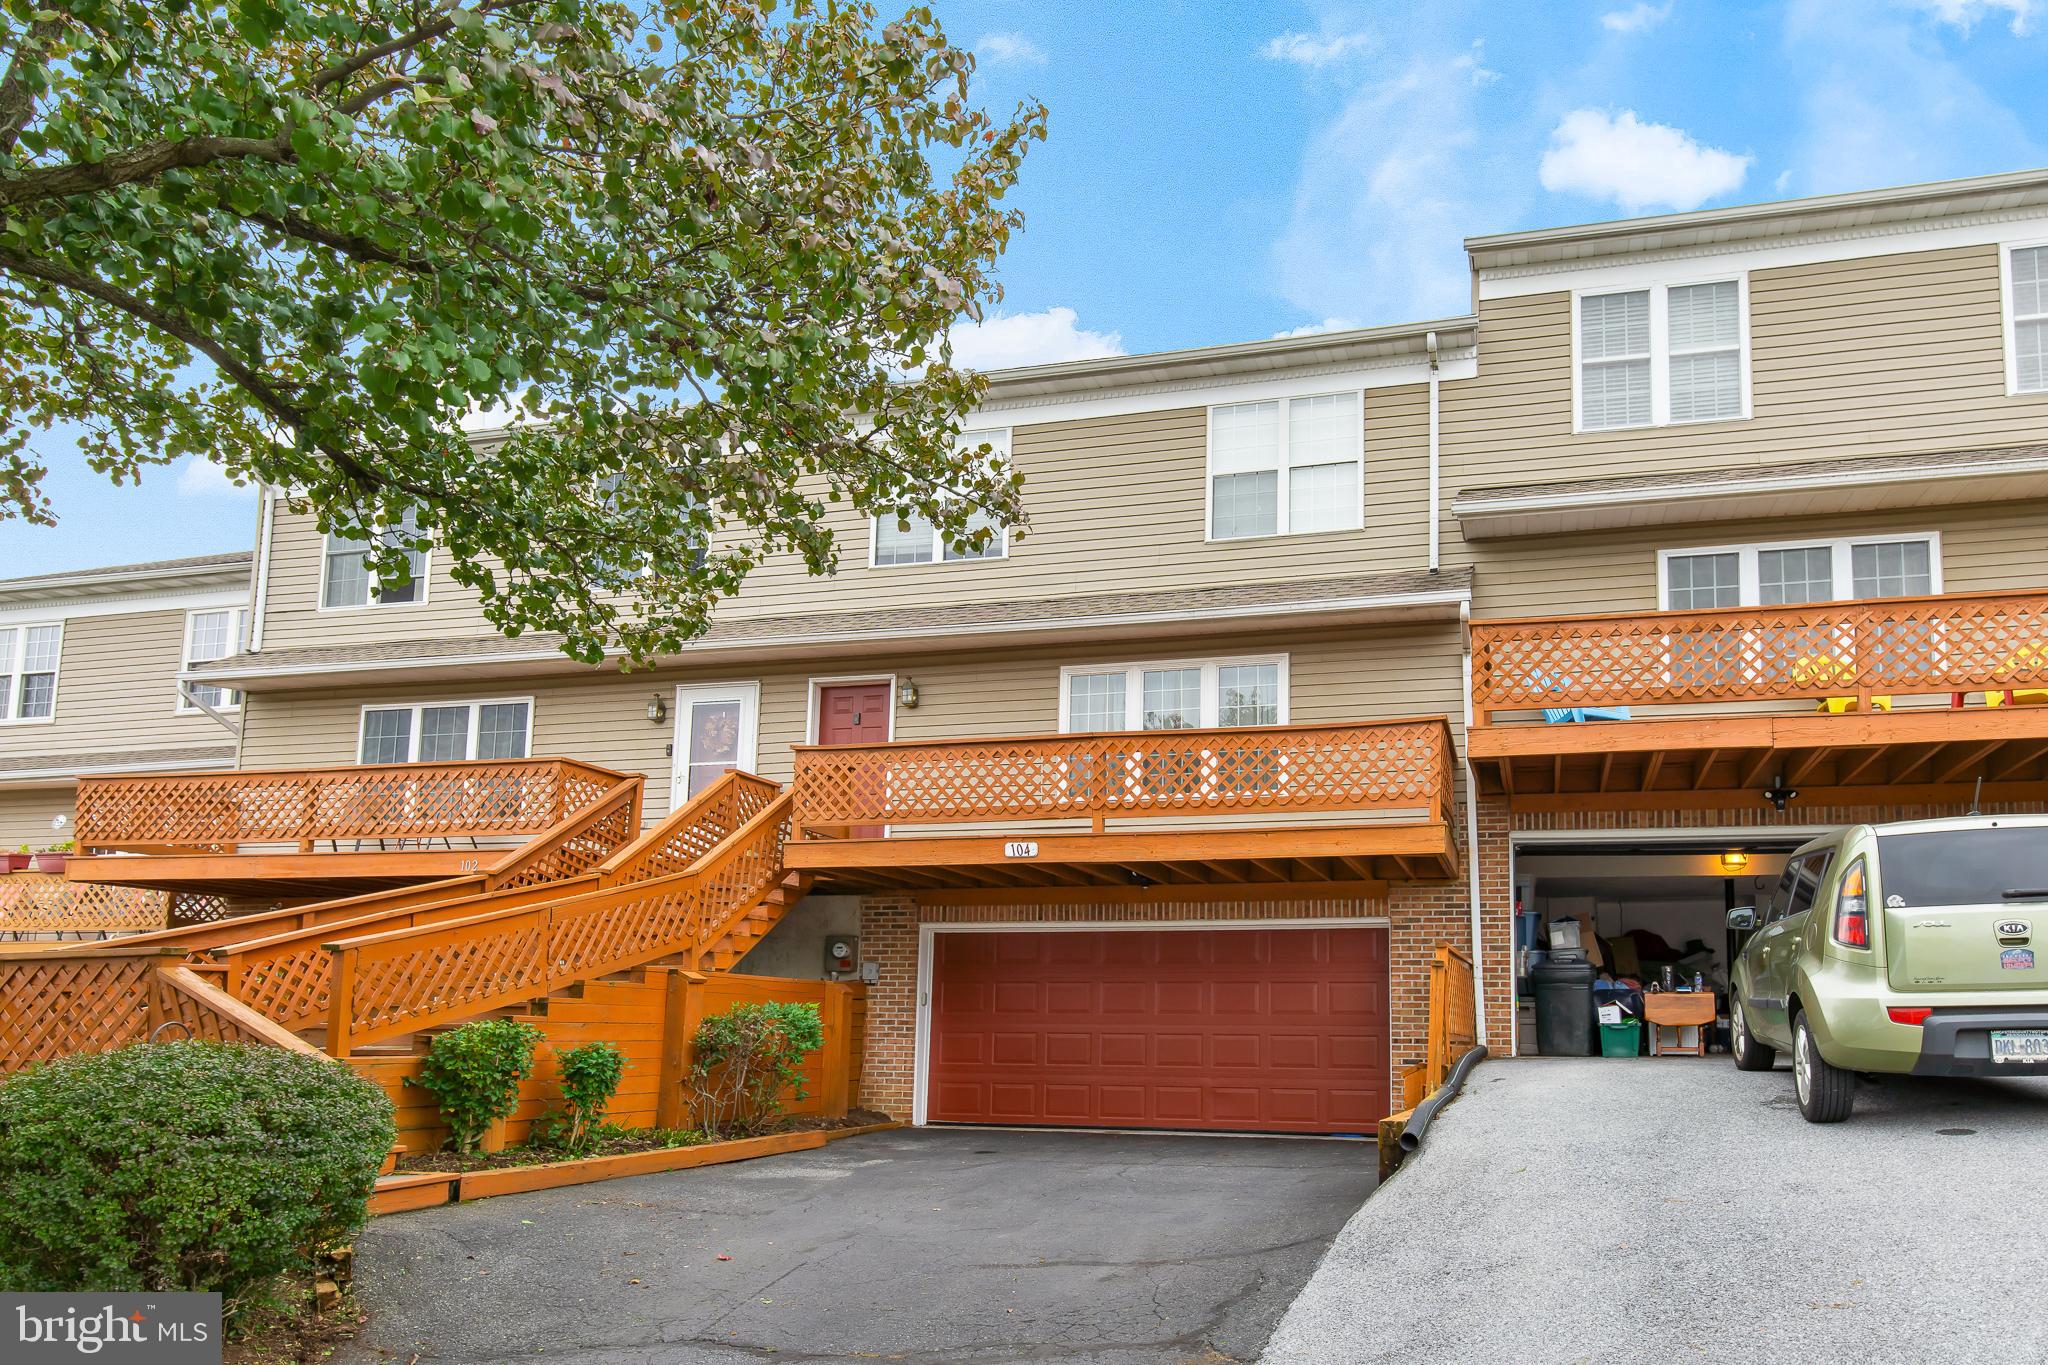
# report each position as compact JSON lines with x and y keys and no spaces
{"x":2019,"y":1045}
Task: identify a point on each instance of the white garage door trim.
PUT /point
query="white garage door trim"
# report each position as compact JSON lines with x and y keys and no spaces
{"x":922,"y":1038}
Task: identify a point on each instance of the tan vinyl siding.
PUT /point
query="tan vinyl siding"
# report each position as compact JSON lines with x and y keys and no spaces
{"x":117,"y":690}
{"x":601,"y":718}
{"x":1116,"y":504}
{"x":25,"y":817}
{"x":1879,"y":356}
{"x":1983,"y":549}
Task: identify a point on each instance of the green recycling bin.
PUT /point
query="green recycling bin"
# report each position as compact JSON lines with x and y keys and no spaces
{"x":1624,"y":1039}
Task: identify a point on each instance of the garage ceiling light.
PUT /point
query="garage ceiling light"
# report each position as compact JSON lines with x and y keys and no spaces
{"x":1735,"y":860}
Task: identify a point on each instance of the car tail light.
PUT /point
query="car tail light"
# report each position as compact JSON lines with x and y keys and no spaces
{"x":1852,"y":909}
{"x":1916,"y":1015}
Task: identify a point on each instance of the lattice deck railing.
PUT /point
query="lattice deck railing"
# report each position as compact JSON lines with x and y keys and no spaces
{"x":350,"y":804}
{"x":285,"y":975}
{"x":39,"y":903}
{"x":1954,"y":643}
{"x":1276,"y":769}
{"x":385,"y":985}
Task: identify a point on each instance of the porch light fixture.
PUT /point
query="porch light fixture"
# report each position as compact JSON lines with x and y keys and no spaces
{"x":1778,"y":794}
{"x":1734,"y":860}
{"x":906,"y":695}
{"x":657,"y":709}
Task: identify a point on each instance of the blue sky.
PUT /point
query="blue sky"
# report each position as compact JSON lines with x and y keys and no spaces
{"x":1221,"y":172}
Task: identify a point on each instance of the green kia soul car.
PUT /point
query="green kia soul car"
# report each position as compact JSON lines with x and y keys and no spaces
{"x":1914,"y":948}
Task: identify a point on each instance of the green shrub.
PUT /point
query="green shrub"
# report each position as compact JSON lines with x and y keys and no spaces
{"x":590,"y":1076}
{"x":745,"y":1058}
{"x":473,"y":1073}
{"x":182,"y":1166}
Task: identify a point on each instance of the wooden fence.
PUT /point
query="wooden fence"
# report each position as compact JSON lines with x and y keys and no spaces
{"x":1396,"y":764}
{"x":651,"y":1017}
{"x":365,"y":802}
{"x":1453,"y":1024}
{"x":42,"y":903}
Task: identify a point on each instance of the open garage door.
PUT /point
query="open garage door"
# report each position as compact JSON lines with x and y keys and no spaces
{"x":1252,"y":1029}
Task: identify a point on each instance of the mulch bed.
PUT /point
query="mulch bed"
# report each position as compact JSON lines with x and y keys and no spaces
{"x":283,"y":1335}
{"x":614,"y":1143}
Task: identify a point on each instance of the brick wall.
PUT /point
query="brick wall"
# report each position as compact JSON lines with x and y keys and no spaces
{"x":1421,"y":916}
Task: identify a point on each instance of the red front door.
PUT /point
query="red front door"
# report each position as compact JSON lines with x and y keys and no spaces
{"x":1266,"y":1030}
{"x":854,"y":713}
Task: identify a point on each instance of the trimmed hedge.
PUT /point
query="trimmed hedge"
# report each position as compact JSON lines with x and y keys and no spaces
{"x":182,"y":1166}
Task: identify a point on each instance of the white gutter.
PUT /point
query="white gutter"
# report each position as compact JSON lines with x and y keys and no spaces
{"x":265,"y":517}
{"x":1472,"y":842}
{"x":1435,"y":468}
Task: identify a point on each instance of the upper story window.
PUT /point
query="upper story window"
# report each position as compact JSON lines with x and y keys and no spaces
{"x":1286,"y":466}
{"x":2028,"y":291}
{"x":1799,"y":571}
{"x":446,"y":732}
{"x":210,"y":635}
{"x":1662,"y":354}
{"x":1180,"y":694}
{"x":912,"y":539}
{"x":28,"y":671}
{"x":347,"y":580}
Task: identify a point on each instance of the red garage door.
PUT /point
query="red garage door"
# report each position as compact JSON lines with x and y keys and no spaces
{"x":1273,"y":1030}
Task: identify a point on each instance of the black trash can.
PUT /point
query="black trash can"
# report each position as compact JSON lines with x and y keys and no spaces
{"x":1564,"y":1009}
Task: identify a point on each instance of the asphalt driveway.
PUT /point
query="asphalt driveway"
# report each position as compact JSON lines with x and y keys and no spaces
{"x":937,"y":1245}
{"x":1681,"y":1210}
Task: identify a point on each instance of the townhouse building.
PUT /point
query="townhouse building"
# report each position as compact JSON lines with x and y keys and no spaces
{"x":1697,"y":535}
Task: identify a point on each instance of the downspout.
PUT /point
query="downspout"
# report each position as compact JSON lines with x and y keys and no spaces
{"x":1472,"y":826}
{"x":1435,"y":507}
{"x":264,"y":518}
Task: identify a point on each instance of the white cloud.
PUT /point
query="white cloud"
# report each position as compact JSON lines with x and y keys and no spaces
{"x":1637,"y":165}
{"x":1637,"y":17}
{"x":1316,"y":329}
{"x":1882,"y":103}
{"x":1964,"y":14}
{"x":1002,"y":341}
{"x":1011,"y":49}
{"x":199,"y":477}
{"x":1308,"y":49}
{"x":1391,"y":186}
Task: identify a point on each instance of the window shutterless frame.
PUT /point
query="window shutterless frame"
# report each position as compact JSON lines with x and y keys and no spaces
{"x":1842,"y":551}
{"x":470,"y":740}
{"x":998,"y":439}
{"x":2012,"y":315}
{"x":16,"y":656}
{"x":229,"y":698}
{"x":420,"y":581}
{"x":1211,"y":685}
{"x":1283,"y":467}
{"x":1660,"y":349}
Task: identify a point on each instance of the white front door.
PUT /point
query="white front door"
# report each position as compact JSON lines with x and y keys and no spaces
{"x":716,"y":726}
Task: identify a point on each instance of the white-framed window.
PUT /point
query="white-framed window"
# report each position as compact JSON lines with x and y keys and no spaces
{"x":913,"y":539}
{"x":347,"y":579}
{"x":1287,"y":466}
{"x":717,"y":729}
{"x":29,"y":656}
{"x":210,"y":635}
{"x":2026,"y":327}
{"x":1661,"y":354}
{"x":1789,"y":572}
{"x":1174,"y":694}
{"x":446,"y":731}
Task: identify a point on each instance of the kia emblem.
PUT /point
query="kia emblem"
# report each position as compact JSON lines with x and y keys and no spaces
{"x":2013,"y":927}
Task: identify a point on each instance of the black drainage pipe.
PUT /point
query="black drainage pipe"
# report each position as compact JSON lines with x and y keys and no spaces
{"x":1418,"y":1122}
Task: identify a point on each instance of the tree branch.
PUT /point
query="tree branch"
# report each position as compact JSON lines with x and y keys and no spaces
{"x":138,"y":163}
{"x":17,"y":105}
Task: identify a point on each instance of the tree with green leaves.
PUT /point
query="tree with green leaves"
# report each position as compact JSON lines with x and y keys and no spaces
{"x":705,"y":253}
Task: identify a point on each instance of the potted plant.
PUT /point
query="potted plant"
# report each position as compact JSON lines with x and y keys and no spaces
{"x":15,"y":862}
{"x":53,"y":858}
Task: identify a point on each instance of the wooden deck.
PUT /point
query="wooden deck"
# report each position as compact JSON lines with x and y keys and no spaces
{"x":1363,"y":803}
{"x":1885,"y":701}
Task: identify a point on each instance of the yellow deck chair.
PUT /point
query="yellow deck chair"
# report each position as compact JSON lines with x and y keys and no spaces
{"x":1819,"y":670}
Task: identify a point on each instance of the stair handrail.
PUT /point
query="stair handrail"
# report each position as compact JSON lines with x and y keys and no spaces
{"x":514,"y":955}
{"x":728,"y":802}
